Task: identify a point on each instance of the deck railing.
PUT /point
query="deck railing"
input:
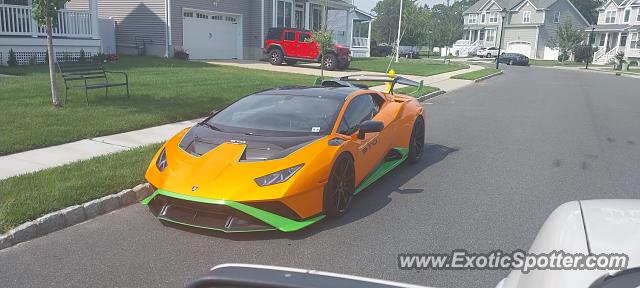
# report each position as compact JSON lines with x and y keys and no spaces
{"x":17,"y":20}
{"x":360,"y":42}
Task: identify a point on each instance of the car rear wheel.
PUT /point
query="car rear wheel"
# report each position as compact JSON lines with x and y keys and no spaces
{"x":340,"y":188}
{"x":416,"y":141}
{"x":275,"y":57}
{"x":329,"y":62}
{"x":488,"y":55}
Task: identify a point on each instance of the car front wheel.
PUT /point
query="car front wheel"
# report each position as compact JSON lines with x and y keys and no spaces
{"x":340,"y":188}
{"x":329,"y":62}
{"x":416,"y":141}
{"x":276,"y":57}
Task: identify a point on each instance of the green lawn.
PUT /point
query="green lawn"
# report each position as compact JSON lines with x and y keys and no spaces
{"x":475,"y":74}
{"x":411,"y":91}
{"x":26,"y":197}
{"x":419,"y":67}
{"x":162,"y":91}
{"x":535,"y":62}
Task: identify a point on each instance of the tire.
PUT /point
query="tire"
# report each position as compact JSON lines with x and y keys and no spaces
{"x":330,"y":62}
{"x":275,"y":56}
{"x":338,"y":193}
{"x":488,"y":55}
{"x":291,"y":61}
{"x":416,"y":141}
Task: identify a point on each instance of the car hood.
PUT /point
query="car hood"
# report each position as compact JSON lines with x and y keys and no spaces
{"x":610,"y":226}
{"x":201,"y":139}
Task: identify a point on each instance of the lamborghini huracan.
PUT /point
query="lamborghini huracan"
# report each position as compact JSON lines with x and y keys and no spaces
{"x":285,"y":158}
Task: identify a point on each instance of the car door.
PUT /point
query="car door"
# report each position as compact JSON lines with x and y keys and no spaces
{"x":306,"y":45}
{"x":289,"y":43}
{"x":370,"y":150}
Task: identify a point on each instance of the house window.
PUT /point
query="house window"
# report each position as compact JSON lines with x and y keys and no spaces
{"x":483,"y":18}
{"x":556,"y":17}
{"x":638,"y":17}
{"x":634,"y":41}
{"x":493,"y":17}
{"x":188,"y":14}
{"x":481,"y":36}
{"x":601,"y":40}
{"x":491,"y":35}
{"x":283,"y":13}
{"x":627,"y":15}
{"x":526,"y":17}
{"x":472,"y":18}
{"x":610,"y":17}
{"x":316,"y":17}
{"x":299,"y":15}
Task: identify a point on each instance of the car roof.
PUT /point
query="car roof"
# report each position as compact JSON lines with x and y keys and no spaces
{"x":340,"y":93}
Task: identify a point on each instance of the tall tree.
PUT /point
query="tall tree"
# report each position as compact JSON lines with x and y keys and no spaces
{"x":385,"y":28}
{"x":46,"y":13}
{"x":588,"y":8}
{"x":448,"y":23}
{"x":567,"y":38}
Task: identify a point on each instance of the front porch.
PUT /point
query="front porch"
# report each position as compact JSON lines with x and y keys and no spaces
{"x":612,"y":41}
{"x":75,"y":30}
{"x":350,"y":27}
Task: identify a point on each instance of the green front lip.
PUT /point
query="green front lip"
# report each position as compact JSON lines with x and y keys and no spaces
{"x":281,"y":223}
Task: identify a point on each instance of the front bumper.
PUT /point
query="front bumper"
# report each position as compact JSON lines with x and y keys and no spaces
{"x":217,"y":214}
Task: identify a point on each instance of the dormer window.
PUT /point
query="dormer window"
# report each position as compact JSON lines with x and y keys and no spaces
{"x":526,"y":17}
{"x":610,"y":17}
{"x":627,"y":15}
{"x":493,"y":17}
{"x":556,"y":17}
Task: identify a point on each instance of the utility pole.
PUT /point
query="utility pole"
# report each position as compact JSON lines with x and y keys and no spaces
{"x":398,"y":41}
{"x":590,"y":58}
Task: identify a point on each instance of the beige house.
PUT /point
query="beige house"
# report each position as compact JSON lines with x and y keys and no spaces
{"x":527,"y":27}
{"x":617,"y":30}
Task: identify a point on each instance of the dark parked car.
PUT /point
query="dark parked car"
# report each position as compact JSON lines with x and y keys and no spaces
{"x":514,"y":59}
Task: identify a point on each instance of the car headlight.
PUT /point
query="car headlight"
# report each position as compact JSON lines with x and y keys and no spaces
{"x":278,"y":177}
{"x":161,"y":162}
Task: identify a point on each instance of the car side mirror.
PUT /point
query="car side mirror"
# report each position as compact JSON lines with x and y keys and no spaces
{"x":213,"y":112}
{"x":369,"y":126}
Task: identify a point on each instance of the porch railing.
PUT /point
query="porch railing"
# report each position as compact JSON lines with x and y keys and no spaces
{"x":360,"y":42}
{"x":17,"y":20}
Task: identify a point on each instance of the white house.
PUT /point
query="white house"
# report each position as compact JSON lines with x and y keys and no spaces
{"x":617,"y":30}
{"x":76,"y":30}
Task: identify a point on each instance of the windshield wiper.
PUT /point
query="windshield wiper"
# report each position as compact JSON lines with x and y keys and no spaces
{"x":209,"y":125}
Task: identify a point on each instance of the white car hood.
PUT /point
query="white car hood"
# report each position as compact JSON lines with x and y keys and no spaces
{"x":612,"y":226}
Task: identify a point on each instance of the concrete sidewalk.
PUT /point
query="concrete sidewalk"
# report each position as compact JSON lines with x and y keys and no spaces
{"x":441,"y":81}
{"x":39,"y":159}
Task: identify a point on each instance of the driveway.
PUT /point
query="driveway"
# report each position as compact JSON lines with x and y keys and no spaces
{"x":501,"y":155}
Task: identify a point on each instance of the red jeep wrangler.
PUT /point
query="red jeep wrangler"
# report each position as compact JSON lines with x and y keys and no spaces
{"x":293,"y":45}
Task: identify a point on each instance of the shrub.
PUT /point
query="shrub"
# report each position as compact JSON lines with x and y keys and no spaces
{"x":46,"y":57}
{"x":180,"y":54}
{"x":381,"y":51}
{"x":583,"y":53}
{"x":32,"y":60}
{"x":13,"y":61}
{"x":82,"y":58}
{"x":99,"y":57}
{"x":633,"y":63}
{"x":564,"y":56}
{"x":66,"y":57}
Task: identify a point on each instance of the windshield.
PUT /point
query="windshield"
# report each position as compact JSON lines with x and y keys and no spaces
{"x":277,"y":114}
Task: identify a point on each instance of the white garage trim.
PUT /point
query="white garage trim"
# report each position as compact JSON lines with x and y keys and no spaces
{"x":239,"y":36}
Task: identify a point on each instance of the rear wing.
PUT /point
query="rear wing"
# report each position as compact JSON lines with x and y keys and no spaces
{"x":391,"y":79}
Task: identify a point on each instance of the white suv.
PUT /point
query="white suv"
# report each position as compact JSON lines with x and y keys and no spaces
{"x":487,"y":52}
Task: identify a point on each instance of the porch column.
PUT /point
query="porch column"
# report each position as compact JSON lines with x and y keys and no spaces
{"x":618,"y":42}
{"x":369,"y":37}
{"x":606,"y":42}
{"x":34,"y":23}
{"x":93,"y":8}
{"x":307,"y":15}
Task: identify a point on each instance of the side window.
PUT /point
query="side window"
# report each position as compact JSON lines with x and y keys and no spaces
{"x":289,"y":36}
{"x":360,"y":109}
{"x":304,"y":37}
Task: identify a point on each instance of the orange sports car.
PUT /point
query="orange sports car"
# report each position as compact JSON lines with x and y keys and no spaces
{"x":285,"y":158}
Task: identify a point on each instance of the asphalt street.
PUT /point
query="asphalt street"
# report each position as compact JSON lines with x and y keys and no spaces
{"x":501,"y":155}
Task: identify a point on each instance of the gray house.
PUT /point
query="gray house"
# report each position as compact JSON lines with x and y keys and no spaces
{"x":221,"y":29}
{"x":528,"y":26}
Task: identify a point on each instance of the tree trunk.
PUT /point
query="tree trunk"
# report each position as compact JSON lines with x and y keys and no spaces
{"x":52,"y":69}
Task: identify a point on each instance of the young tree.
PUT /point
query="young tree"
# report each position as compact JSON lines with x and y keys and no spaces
{"x":567,"y":38}
{"x":46,"y":12}
{"x":325,"y":44}
{"x":448,"y":24}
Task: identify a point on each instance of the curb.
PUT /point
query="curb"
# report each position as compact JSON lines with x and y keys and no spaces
{"x":430,"y":95}
{"x":488,"y":76}
{"x":73,"y":215}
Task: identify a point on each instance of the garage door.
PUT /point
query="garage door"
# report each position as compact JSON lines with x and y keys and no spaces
{"x":211,"y":35}
{"x":523,"y":48}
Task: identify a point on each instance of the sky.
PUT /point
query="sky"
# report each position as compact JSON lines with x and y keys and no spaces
{"x":367,"y":5}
